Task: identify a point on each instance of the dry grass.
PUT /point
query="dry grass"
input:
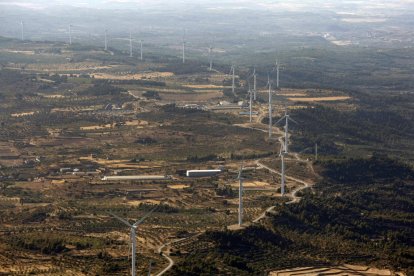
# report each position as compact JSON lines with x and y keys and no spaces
{"x":320,"y":99}
{"x":54,"y":96}
{"x":337,"y":270}
{"x":139,"y":76}
{"x":137,"y":123}
{"x":178,"y":186}
{"x":22,"y":114}
{"x":251,"y":184}
{"x":147,"y":201}
{"x":199,"y":96}
{"x":118,"y":163}
{"x":204,"y":86}
{"x":59,"y":67}
{"x":292,"y":94}
{"x":29,"y":53}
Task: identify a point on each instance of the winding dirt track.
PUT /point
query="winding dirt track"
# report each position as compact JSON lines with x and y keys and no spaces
{"x":293,"y":196}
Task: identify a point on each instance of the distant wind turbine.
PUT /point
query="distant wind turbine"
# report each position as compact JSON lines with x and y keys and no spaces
{"x":184,"y":44}
{"x":254,"y":83}
{"x":250,"y":103}
{"x":287,"y":118}
{"x":22,"y":30}
{"x":70,"y":34}
{"x":130,"y":44}
{"x":141,"y":49}
{"x":233,"y":83}
{"x":269,"y":84}
{"x":106,"y":40}
{"x":277,"y":74}
{"x":210,"y":56}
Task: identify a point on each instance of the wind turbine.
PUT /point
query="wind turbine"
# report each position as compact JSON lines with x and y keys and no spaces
{"x":141,"y":52}
{"x":282,"y":153}
{"x":22,"y":30}
{"x":130,"y":44}
{"x":133,"y":228}
{"x":233,"y":83}
{"x":316,"y":151}
{"x":287,"y":118}
{"x":250,"y":103}
{"x":254,"y":82}
{"x":70,"y":34}
{"x":183,"y":51}
{"x":240,"y":178}
{"x":106,"y":40}
{"x":277,"y":74}
{"x":210,"y":55}
{"x":184,"y":42}
{"x":269,"y":84}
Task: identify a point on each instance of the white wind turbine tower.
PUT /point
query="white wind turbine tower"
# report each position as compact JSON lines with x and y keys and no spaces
{"x":240,"y":178}
{"x":277,"y":74}
{"x":183,"y":51}
{"x":133,"y":228}
{"x":210,"y":56}
{"x":141,"y":52}
{"x":282,"y":153}
{"x":70,"y":34}
{"x":287,"y":118}
{"x":184,"y":44}
{"x":254,"y":83}
{"x":130,"y":44}
{"x":269,"y":83}
{"x":106,"y":40}
{"x":250,"y":103}
{"x":22,"y":30}
{"x":233,"y":83}
{"x":316,"y":151}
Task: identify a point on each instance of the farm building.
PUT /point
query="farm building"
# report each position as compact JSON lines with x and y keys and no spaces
{"x":202,"y":173}
{"x":136,"y":177}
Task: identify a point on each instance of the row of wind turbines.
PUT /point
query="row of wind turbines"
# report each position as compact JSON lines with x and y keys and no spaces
{"x":284,"y":141}
{"x":130,"y":41}
{"x":130,"y":44}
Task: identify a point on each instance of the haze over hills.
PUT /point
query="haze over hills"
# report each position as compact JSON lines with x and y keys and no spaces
{"x":387,"y":24}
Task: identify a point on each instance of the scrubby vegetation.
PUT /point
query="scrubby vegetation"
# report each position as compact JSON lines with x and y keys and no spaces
{"x":351,"y":218}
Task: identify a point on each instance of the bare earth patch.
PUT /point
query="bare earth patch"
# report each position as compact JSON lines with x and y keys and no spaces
{"x":204,"y":86}
{"x":22,"y":114}
{"x":335,"y":270}
{"x":178,"y":186}
{"x":320,"y":99}
{"x":138,"y":76}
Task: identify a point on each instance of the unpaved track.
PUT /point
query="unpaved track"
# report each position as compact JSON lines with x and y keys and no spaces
{"x":171,"y":261}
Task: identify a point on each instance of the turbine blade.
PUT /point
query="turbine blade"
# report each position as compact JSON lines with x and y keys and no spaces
{"x":293,"y":121}
{"x":121,"y":219}
{"x":281,"y":119}
{"x":144,"y":217}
